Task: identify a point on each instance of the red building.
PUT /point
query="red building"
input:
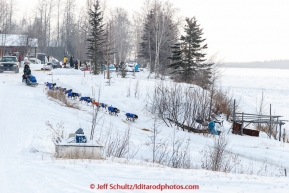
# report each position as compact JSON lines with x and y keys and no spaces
{"x":20,"y":45}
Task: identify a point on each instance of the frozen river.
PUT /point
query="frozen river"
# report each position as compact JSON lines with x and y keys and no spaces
{"x":247,"y":84}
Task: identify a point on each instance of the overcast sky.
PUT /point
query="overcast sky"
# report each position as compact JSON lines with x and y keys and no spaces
{"x":238,"y":30}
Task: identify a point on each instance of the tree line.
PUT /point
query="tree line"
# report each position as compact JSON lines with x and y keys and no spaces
{"x":151,"y":37}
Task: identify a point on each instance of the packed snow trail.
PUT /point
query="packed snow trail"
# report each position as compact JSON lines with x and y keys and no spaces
{"x":21,"y":116}
{"x":12,"y":129}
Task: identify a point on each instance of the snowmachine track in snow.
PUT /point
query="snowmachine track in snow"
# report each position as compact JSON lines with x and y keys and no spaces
{"x":33,"y":84}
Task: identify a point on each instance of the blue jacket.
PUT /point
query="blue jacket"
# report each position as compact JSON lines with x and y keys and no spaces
{"x":212,"y":129}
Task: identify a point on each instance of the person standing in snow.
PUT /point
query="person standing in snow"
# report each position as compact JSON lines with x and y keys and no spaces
{"x":20,"y":58}
{"x":64,"y":61}
{"x":71,"y":62}
{"x":76,"y":64}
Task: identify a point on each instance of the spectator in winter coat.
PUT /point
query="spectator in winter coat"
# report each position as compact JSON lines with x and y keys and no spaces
{"x":48,"y":59}
{"x":76,"y":64}
{"x":65,"y":59}
{"x":71,"y":62}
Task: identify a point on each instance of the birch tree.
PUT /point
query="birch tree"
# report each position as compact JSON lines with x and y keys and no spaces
{"x":136,"y":36}
{"x":121,"y":34}
{"x":159,"y":33}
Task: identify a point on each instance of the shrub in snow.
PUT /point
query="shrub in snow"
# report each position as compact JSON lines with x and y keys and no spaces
{"x":60,"y":96}
{"x":217,"y":158}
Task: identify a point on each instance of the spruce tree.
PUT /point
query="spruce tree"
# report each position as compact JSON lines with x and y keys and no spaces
{"x":188,"y":59}
{"x":176,"y":57}
{"x":147,"y":46}
{"x":96,"y":38}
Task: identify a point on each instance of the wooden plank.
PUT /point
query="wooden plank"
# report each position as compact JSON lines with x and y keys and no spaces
{"x":259,"y":115}
{"x":251,"y":132}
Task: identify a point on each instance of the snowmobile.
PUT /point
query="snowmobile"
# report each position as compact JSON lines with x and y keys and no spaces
{"x":30,"y":81}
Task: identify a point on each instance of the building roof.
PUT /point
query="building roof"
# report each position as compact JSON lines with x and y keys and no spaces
{"x":16,"y":40}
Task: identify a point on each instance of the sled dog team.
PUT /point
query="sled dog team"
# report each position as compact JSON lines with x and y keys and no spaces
{"x":74,"y":95}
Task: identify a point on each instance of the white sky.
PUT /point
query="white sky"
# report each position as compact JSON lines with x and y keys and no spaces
{"x":238,"y":30}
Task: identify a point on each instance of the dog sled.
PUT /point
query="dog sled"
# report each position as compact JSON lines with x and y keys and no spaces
{"x":30,"y":81}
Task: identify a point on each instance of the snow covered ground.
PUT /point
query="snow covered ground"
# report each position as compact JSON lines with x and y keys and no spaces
{"x":27,"y":162}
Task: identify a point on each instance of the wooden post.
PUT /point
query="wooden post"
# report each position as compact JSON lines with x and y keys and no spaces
{"x":285,"y":172}
{"x":242,"y":123}
{"x":234,"y":113}
{"x":276,"y":130}
{"x":280,"y":131}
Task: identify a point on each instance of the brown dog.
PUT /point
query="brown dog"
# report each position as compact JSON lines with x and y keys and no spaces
{"x":95,"y":103}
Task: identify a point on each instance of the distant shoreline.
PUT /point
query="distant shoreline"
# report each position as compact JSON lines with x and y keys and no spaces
{"x":284,"y":64}
{"x":225,"y":66}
